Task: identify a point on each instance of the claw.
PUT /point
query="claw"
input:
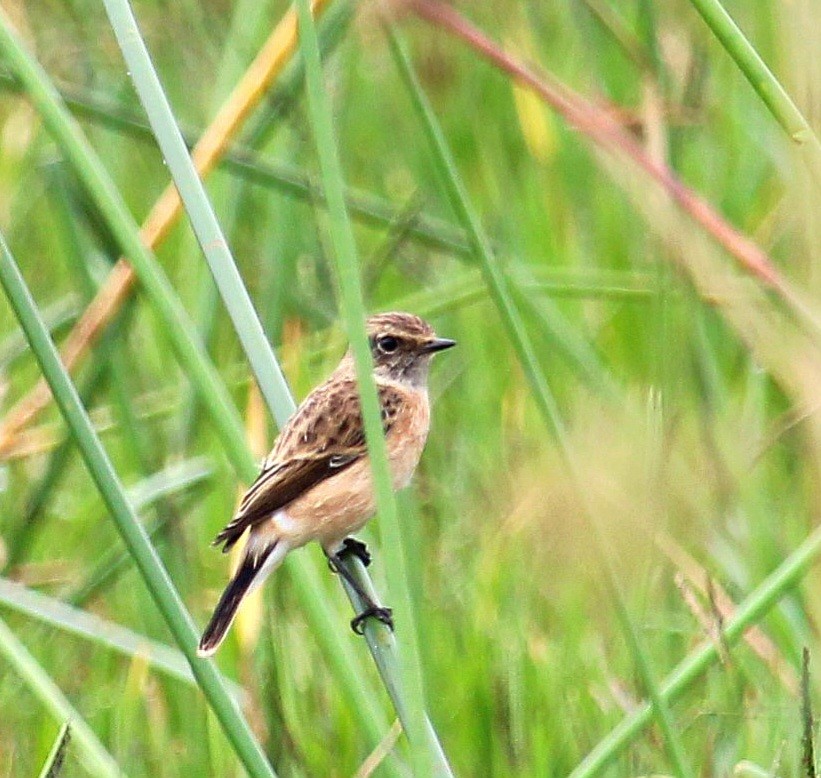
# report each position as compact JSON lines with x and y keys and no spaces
{"x":385,"y":615}
{"x":355,"y":548}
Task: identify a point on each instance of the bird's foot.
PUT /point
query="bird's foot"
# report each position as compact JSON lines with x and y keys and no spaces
{"x":354,"y":547}
{"x":385,"y":615}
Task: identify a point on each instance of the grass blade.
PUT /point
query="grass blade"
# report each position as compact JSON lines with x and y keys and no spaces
{"x":426,"y":755}
{"x":808,"y":734}
{"x":78,"y":622}
{"x":203,"y":220}
{"x":160,"y":586}
{"x":761,"y":78}
{"x":92,"y":753}
{"x":53,"y":765}
{"x":501,"y":294}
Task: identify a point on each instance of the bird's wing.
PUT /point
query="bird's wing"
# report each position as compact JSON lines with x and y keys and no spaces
{"x":321,"y":439}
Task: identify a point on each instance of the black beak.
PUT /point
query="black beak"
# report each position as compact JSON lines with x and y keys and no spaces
{"x":438,"y":344}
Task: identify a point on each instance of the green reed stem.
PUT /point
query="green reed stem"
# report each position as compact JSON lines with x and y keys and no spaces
{"x":203,"y":220}
{"x":426,"y":759}
{"x":501,"y":294}
{"x":91,"y":752}
{"x":761,"y":78}
{"x":234,"y":295}
{"x":159,"y":584}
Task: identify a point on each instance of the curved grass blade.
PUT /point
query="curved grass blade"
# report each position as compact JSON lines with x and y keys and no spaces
{"x":751,"y":610}
{"x":175,"y":478}
{"x":159,"y":656}
{"x":608,"y":135}
{"x":159,"y":585}
{"x":467,"y":288}
{"x":91,"y":752}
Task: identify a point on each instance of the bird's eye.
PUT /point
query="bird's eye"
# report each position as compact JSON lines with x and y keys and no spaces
{"x":387,"y":344}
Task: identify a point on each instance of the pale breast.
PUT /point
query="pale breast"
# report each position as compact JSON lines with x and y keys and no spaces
{"x":340,"y":505}
{"x":408,"y":436}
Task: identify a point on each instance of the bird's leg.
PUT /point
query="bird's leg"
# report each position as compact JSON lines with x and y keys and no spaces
{"x":370,"y":607}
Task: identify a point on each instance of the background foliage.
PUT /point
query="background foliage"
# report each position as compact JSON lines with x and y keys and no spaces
{"x":688,"y":392}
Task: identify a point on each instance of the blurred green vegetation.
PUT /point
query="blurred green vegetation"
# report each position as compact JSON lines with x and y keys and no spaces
{"x":693,"y":421}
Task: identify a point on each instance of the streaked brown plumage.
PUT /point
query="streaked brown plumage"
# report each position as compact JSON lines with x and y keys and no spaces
{"x":316,"y":482}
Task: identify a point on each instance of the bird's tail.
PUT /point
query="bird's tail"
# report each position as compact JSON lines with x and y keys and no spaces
{"x":255,"y":567}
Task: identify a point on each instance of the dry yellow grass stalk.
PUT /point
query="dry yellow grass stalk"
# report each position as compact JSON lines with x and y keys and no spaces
{"x":262,"y":72}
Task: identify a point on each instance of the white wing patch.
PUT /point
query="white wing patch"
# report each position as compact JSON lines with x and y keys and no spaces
{"x":284,"y":524}
{"x":340,"y":459}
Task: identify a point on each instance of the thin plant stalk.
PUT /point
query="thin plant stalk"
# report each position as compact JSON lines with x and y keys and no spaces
{"x":115,"y":562}
{"x":209,"y":234}
{"x":424,"y":760}
{"x":145,"y":494}
{"x":159,"y":656}
{"x":91,"y":751}
{"x":761,"y":78}
{"x":752,"y":609}
{"x":151,"y":568}
{"x":226,"y":194}
{"x":203,"y":220}
{"x":500,"y":292}
{"x":56,"y":757}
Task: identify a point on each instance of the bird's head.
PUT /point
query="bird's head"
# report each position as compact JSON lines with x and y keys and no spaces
{"x":402,"y":345}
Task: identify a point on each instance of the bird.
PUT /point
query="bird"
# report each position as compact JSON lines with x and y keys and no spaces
{"x":316,"y":482}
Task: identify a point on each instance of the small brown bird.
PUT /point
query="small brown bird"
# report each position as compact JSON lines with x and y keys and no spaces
{"x":316,"y":482}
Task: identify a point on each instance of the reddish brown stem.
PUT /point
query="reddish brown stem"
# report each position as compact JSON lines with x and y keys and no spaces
{"x":599,"y":127}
